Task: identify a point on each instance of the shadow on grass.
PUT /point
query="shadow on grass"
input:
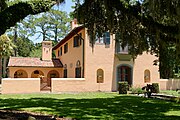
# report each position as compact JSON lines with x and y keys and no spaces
{"x":119,"y":107}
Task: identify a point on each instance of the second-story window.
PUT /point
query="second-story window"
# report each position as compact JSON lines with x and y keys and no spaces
{"x":77,"y":41}
{"x":60,"y":52}
{"x":66,"y":48}
{"x":120,"y":49}
{"x":105,"y":39}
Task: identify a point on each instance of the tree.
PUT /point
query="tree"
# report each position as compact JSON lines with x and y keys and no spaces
{"x":6,"y":49}
{"x":24,"y":47}
{"x":9,"y":16}
{"x":58,"y":24}
{"x":51,"y":25}
{"x":145,"y":25}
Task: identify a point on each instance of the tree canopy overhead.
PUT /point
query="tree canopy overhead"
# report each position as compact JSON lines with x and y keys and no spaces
{"x":142,"y":23}
{"x":10,"y":15}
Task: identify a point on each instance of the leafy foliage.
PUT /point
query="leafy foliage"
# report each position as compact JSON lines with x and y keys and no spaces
{"x":9,"y":16}
{"x":24,"y":47}
{"x":6,"y":49}
{"x":123,"y":87}
{"x":6,"y":46}
{"x":155,"y":87}
{"x":143,"y":25}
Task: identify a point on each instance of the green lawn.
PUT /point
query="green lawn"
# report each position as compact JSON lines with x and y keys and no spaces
{"x":105,"y":106}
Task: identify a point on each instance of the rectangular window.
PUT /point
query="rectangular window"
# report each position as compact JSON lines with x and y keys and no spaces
{"x":105,"y":39}
{"x":60,"y":52}
{"x":77,"y":41}
{"x":66,"y":48}
{"x":78,"y":72}
{"x":65,"y":73}
{"x":120,"y":49}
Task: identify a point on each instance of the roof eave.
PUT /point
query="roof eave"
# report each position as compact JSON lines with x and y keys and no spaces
{"x":68,"y":36}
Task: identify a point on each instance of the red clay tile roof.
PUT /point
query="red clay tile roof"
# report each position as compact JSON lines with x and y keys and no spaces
{"x":33,"y":62}
{"x":68,"y":36}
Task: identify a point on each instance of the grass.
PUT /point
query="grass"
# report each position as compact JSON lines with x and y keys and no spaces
{"x":171,"y":92}
{"x":102,"y":106}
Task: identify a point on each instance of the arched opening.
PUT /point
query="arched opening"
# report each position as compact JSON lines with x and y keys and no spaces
{"x":100,"y":76}
{"x":53,"y":74}
{"x":20,"y":74}
{"x":78,"y":69}
{"x":147,"y":76}
{"x":124,"y":73}
{"x":37,"y":74}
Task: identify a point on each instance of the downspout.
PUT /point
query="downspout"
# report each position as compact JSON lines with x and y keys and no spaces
{"x":82,"y":57}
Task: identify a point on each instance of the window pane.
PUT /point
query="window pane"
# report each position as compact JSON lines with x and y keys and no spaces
{"x":66,"y":48}
{"x":107,"y":37}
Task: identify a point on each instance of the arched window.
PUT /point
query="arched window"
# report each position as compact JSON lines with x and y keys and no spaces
{"x":100,"y":76}
{"x":78,"y":69}
{"x":147,"y":76}
{"x":78,"y":64}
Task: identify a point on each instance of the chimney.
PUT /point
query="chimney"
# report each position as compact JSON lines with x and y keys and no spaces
{"x":46,"y":50}
{"x":74,"y":23}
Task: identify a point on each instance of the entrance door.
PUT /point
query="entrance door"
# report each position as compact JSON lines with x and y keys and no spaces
{"x":124,"y":74}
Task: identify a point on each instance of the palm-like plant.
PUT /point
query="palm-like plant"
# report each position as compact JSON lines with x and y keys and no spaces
{"x":6,"y":49}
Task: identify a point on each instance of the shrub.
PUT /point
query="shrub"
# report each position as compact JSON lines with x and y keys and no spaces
{"x":137,"y":90}
{"x":123,"y":87}
{"x":155,"y":87}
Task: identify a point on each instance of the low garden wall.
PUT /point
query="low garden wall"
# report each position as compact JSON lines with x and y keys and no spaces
{"x":169,"y":84}
{"x":20,"y":85}
{"x":67,"y":84}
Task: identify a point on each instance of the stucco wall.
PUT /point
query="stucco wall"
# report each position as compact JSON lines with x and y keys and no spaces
{"x":99,"y":57}
{"x":30,"y":70}
{"x":20,"y":85}
{"x":68,"y":85}
{"x":163,"y":84}
{"x":72,"y":56}
{"x":173,"y":84}
{"x":143,"y":62}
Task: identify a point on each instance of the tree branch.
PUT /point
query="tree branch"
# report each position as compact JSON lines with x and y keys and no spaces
{"x":13,"y":14}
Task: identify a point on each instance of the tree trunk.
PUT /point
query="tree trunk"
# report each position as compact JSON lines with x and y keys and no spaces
{"x":15,"y":39}
{"x":4,"y":66}
{"x":0,"y":69}
{"x":56,"y":32}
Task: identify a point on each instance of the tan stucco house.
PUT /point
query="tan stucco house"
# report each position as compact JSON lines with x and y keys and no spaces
{"x":79,"y":67}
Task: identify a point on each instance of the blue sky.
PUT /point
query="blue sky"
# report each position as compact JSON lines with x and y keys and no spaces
{"x":66,"y":6}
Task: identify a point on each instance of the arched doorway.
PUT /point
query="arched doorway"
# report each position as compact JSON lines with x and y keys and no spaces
{"x":37,"y":74}
{"x":124,"y":73}
{"x":20,"y":74}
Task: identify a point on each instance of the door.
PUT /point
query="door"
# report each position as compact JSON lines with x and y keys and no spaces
{"x":124,"y":74}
